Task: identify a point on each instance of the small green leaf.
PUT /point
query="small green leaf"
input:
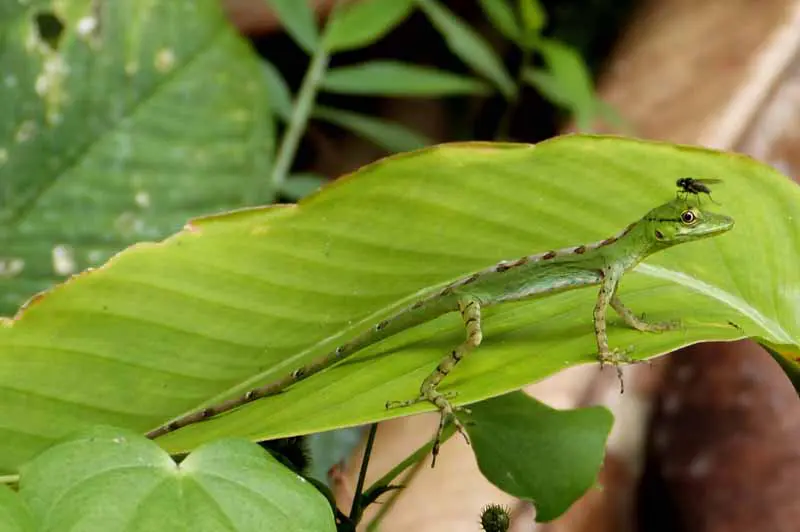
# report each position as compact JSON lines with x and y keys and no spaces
{"x":538,"y":453}
{"x":566,"y":82}
{"x":502,"y":17}
{"x":14,"y":515}
{"x":548,"y":85}
{"x":392,"y":136}
{"x":362,"y":23}
{"x":113,"y":479}
{"x":301,"y":185}
{"x":468,"y":45}
{"x":533,"y":17}
{"x":297,"y":19}
{"x":392,"y":78}
{"x":280,"y":97}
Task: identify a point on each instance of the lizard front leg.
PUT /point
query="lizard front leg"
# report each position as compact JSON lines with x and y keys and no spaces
{"x":470,"y":310}
{"x":615,"y":357}
{"x":639,"y":323}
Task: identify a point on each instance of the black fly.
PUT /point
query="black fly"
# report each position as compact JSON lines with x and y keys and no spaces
{"x":690,"y":185}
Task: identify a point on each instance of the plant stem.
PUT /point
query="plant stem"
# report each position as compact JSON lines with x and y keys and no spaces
{"x":356,"y":510}
{"x":415,"y":459}
{"x":9,"y":479}
{"x":392,"y":499}
{"x":300,"y":115}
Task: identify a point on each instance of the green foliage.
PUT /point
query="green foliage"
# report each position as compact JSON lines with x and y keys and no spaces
{"x":389,"y":135}
{"x":176,"y":121}
{"x":14,"y":514}
{"x":564,"y":79}
{"x":548,"y":456}
{"x":393,"y":78}
{"x":364,"y":22}
{"x":173,"y":127}
{"x":232,"y":301}
{"x":301,"y":185}
{"x":110,"y":479}
{"x":298,"y":21}
{"x":468,"y":45}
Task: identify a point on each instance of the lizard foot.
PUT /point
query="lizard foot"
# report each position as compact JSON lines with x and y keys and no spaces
{"x":447,"y":412}
{"x":617,"y":358}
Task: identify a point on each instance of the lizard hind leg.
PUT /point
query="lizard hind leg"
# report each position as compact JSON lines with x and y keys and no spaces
{"x":470,"y":310}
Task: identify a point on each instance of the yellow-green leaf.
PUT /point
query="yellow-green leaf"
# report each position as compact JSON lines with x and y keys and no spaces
{"x":240,"y":299}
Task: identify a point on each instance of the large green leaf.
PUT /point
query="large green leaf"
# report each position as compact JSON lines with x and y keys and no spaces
{"x":111,"y":479}
{"x":14,"y":515}
{"x":142,"y":115}
{"x":240,"y":299}
{"x":535,"y":452}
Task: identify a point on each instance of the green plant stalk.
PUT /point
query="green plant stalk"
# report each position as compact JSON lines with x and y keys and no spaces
{"x":301,"y":113}
{"x":384,"y":508}
{"x":356,"y":509}
{"x":9,"y":479}
{"x":415,"y":459}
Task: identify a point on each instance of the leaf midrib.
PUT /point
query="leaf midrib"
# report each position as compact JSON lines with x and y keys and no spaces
{"x":734,"y":302}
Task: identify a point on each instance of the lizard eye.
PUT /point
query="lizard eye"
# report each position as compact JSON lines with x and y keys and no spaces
{"x":688,"y":217}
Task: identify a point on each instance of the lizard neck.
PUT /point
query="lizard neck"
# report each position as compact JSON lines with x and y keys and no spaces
{"x":632,"y":246}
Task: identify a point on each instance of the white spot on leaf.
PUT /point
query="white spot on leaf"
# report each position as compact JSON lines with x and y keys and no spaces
{"x":86,"y":25}
{"x":25,"y":131}
{"x":63,"y":260}
{"x":11,"y":267}
{"x":131,"y":68}
{"x":49,"y":85}
{"x":165,"y":60}
{"x":3,"y":156}
{"x":11,"y":81}
{"x":142,"y":199}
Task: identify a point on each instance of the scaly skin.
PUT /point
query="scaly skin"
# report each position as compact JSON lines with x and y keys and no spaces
{"x":600,"y":263}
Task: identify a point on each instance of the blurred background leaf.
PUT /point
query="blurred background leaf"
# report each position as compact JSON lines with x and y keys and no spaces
{"x":392,"y":78}
{"x":360,"y":24}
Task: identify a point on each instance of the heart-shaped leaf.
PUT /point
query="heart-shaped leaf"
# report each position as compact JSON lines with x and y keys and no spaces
{"x":111,"y":479}
{"x":535,"y":452}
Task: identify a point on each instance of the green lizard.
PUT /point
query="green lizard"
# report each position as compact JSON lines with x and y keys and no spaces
{"x":600,"y":263}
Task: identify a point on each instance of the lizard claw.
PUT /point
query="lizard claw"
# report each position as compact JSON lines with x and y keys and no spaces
{"x":447,"y":412}
{"x":617,"y":358}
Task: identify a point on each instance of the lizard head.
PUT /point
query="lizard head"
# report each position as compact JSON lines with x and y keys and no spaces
{"x":683,"y":221}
